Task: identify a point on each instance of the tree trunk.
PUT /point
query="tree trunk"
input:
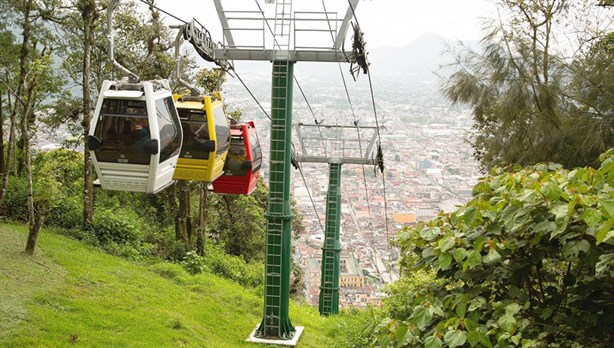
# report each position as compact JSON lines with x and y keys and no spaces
{"x":181,"y":221}
{"x":10,"y":153}
{"x":34,"y":222}
{"x":88,"y":8}
{"x":24,"y":52}
{"x":33,"y":233}
{"x":202,"y":220}
{"x":2,"y":164}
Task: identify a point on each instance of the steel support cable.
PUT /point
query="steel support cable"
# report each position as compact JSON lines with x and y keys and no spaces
{"x":151,"y":4}
{"x":379,"y":145}
{"x":252,"y":95}
{"x":311,"y":199}
{"x":315,"y":120}
{"x":347,"y":93}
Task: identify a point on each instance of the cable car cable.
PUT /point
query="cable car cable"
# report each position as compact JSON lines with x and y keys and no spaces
{"x":311,"y":199}
{"x":150,"y":3}
{"x":347,"y":93}
{"x":315,"y":120}
{"x":252,"y":95}
{"x":380,"y":156}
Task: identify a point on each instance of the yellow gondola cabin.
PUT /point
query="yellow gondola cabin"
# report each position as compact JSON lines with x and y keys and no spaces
{"x":206,"y":135}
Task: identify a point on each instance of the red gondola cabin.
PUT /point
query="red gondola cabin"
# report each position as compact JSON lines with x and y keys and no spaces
{"x":242,"y":167}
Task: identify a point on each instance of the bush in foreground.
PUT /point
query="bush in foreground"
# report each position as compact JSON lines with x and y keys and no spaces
{"x":529,"y":262}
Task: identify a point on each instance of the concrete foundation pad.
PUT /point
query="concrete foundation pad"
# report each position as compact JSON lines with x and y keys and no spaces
{"x":290,"y":343}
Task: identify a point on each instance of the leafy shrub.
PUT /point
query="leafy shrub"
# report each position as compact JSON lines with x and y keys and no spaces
{"x":194,"y":263}
{"x":120,"y":226}
{"x":529,"y":262}
{"x":136,"y":251}
{"x":231,"y":267}
{"x":353,"y":328}
{"x":15,"y":199}
{"x":66,"y":213}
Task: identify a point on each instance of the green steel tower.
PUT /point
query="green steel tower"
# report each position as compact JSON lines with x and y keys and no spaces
{"x":331,"y":250}
{"x":351,"y":149}
{"x":276,"y":325}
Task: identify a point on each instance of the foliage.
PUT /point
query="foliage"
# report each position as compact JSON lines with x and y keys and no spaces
{"x":238,"y":223}
{"x":116,"y":226}
{"x":15,"y":198}
{"x":353,"y":328}
{"x":65,"y":166}
{"x":528,"y":261}
{"x":210,"y":80}
{"x":231,"y":267}
{"x":520,"y":85}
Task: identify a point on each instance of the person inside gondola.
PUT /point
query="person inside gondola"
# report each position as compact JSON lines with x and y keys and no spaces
{"x":201,"y":135}
{"x":237,"y":163}
{"x":141,"y":134}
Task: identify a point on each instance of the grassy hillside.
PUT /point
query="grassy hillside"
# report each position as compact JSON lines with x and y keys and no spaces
{"x":70,"y":294}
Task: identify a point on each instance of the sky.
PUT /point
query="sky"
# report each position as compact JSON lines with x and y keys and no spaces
{"x":384,"y":22}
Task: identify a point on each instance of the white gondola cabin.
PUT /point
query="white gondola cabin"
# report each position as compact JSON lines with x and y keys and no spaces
{"x":206,"y":137}
{"x":135,"y":136}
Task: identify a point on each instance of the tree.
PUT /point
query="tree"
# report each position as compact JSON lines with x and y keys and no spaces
{"x":529,"y":262}
{"x":519,"y":85}
{"x":34,"y":83}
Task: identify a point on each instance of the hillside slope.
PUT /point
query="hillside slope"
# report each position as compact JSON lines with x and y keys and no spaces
{"x":70,"y":295}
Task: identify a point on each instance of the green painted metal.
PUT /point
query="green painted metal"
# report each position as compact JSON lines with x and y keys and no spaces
{"x":331,"y":250}
{"x":276,"y":322}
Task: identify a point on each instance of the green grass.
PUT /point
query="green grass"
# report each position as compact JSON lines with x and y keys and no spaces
{"x":70,"y":294}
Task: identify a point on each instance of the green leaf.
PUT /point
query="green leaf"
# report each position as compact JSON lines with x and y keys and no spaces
{"x":492,"y":257}
{"x":445,"y":260}
{"x":507,"y":322}
{"x":603,"y":231}
{"x":447,"y":244}
{"x":560,"y":211}
{"x":473,"y":337}
{"x":476,"y":303}
{"x":459,"y":254}
{"x":484,"y":340}
{"x":606,"y":261}
{"x":607,"y":207}
{"x":573,"y":248}
{"x":432,"y":342}
{"x":461,"y":309}
{"x":400,"y":335}
{"x":429,"y":233}
{"x":421,"y":317}
{"x":455,"y":338}
{"x":591,"y":216}
{"x":551,"y":191}
{"x":516,"y":339}
{"x":473,"y":259}
{"x":512,"y":309}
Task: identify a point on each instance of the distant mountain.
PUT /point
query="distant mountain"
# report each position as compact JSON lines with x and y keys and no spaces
{"x":422,"y":56}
